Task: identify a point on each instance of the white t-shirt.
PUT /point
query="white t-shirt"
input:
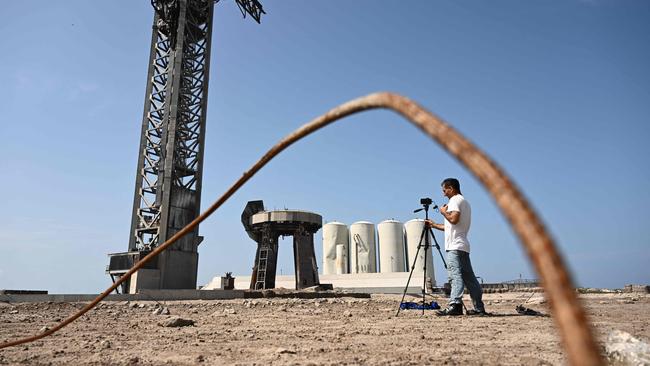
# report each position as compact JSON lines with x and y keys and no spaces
{"x":456,"y":235}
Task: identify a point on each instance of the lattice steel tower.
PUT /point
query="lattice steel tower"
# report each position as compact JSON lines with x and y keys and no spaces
{"x":170,"y":164}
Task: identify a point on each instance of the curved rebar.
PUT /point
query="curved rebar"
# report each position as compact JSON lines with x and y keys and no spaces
{"x":568,"y":313}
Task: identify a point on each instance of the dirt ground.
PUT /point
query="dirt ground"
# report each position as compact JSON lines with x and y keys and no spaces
{"x":334,"y":331}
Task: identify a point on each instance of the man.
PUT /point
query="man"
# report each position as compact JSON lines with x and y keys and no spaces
{"x":458,"y":217}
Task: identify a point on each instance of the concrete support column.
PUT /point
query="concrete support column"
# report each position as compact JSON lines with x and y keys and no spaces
{"x":305,"y":260}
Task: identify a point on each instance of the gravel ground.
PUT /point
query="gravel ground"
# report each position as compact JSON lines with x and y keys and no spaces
{"x":334,"y":331}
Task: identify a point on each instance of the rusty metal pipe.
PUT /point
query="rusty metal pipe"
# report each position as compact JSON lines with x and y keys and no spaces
{"x":569,"y":315}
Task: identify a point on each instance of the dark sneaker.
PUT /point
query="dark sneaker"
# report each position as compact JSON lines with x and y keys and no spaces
{"x":452,"y":310}
{"x":477,"y":312}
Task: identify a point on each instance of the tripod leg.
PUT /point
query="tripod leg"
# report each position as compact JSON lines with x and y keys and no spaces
{"x":438,"y":247}
{"x":411,"y":274}
{"x":424,"y":266}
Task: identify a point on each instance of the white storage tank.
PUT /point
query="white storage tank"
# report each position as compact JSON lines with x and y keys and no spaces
{"x":363,"y":257}
{"x":413,"y":230}
{"x":334,"y":233}
{"x":390,"y":234}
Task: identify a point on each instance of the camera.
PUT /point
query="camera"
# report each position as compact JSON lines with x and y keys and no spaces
{"x":426,"y":201}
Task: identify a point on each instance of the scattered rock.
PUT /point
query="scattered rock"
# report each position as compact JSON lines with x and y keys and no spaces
{"x":13,"y":312}
{"x":229,"y":311}
{"x":347,"y":313}
{"x":165,"y":311}
{"x":133,"y":305}
{"x":44,"y":329}
{"x":623,"y":347}
{"x":105,"y":344}
{"x":281,"y":351}
{"x":200,"y":358}
{"x":157,"y":311}
{"x":176,"y":321}
{"x":141,"y":306}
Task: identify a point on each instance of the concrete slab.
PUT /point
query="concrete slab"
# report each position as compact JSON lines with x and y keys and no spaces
{"x":387,"y":283}
{"x":178,"y":295}
{"x":143,"y":295}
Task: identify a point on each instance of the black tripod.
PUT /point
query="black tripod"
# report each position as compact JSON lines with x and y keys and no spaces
{"x":426,"y":202}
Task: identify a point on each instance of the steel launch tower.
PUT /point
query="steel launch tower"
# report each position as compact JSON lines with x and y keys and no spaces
{"x":170,"y":163}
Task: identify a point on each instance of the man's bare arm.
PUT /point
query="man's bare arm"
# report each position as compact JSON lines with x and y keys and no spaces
{"x":453,"y":216}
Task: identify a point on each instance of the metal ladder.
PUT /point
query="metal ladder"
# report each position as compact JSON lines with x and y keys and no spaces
{"x":260,"y":281}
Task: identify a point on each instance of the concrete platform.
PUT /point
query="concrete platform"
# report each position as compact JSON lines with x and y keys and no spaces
{"x":143,"y":295}
{"x":386,"y":283}
{"x":177,"y":295}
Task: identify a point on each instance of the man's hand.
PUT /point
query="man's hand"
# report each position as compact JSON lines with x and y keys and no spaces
{"x":443,"y":210}
{"x":430,"y":224}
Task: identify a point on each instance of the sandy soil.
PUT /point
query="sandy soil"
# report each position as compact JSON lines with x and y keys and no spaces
{"x":298,"y":331}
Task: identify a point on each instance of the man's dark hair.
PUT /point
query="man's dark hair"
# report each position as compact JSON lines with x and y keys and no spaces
{"x":451,"y":182}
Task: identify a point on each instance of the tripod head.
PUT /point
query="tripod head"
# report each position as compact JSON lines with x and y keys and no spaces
{"x":426,"y":202}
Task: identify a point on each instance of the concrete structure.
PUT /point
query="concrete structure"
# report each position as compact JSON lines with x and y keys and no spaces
{"x":363,"y":252}
{"x":265,"y":227}
{"x":388,"y":283}
{"x":390,"y":234}
{"x":413,"y":229}
{"x":334,"y":233}
{"x":177,"y":295}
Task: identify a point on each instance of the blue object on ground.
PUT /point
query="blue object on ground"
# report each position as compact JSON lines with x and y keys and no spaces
{"x":407,"y":305}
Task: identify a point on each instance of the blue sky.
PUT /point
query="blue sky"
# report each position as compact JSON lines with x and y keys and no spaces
{"x":558,"y":93}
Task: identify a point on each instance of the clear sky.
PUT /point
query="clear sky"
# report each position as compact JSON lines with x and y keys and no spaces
{"x":557,"y":92}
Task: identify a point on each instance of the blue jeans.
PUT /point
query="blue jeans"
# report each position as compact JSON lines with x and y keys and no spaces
{"x":461,"y":274}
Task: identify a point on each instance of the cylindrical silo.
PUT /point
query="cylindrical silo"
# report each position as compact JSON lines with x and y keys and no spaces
{"x":413,"y":230}
{"x":390,"y":234}
{"x":334,"y":233}
{"x":363,"y":257}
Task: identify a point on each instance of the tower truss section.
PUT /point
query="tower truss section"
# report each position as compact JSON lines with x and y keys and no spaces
{"x":170,"y":159}
{"x":170,"y":162}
